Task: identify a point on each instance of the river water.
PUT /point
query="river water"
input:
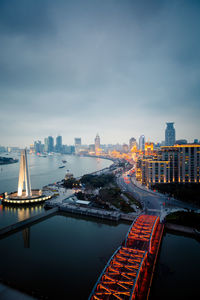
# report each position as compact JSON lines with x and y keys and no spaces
{"x":43,"y":170}
{"x":62,"y":257}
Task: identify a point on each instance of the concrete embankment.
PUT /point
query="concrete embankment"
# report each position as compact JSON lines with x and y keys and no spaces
{"x":182,"y":229}
{"x":92,"y":212}
{"x":27,"y":222}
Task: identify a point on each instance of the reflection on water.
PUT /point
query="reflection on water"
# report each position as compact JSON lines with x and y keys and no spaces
{"x":25,"y":212}
{"x":26,"y":237}
{"x":64,"y":257}
{"x":20,"y":213}
{"x":43,"y":171}
{"x":10,"y":214}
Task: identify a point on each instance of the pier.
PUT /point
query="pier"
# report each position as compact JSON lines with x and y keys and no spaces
{"x":6,"y":231}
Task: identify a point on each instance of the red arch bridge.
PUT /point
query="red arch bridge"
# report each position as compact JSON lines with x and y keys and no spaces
{"x":129,"y":272}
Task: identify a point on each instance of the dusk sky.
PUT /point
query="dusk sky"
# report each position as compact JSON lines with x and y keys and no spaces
{"x":115,"y":67}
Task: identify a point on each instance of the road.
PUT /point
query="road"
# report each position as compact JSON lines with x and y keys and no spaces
{"x":153,"y":203}
{"x":149,"y":201}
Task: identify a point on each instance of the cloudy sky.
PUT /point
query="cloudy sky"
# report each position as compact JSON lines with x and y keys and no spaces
{"x":117,"y":67}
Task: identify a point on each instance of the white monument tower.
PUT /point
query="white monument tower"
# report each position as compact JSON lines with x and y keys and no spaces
{"x":24,"y":176}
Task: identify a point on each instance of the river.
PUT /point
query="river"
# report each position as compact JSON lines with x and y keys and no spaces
{"x":43,"y":170}
{"x":62,"y":257}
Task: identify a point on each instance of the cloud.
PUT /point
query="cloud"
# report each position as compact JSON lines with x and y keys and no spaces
{"x":120,"y":68}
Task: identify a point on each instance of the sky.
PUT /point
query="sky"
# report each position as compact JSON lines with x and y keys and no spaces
{"x":120,"y":68}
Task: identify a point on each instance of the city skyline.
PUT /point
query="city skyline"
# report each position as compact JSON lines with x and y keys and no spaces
{"x":118,"y":68}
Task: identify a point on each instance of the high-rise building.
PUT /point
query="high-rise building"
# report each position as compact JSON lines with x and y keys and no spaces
{"x":132,"y":143}
{"x":125,"y":148}
{"x":142,"y":142}
{"x":38,"y":146}
{"x":50,"y":144}
{"x":172,"y":164}
{"x":170,"y":135}
{"x":46,"y":145}
{"x":97,"y":143}
{"x":77,"y":144}
{"x":59,"y":144}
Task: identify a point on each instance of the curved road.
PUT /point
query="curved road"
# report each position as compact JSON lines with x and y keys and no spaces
{"x":153,"y":202}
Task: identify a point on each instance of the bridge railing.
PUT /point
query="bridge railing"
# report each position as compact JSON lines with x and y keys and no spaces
{"x":156,"y":223}
{"x":126,"y":275}
{"x":121,"y":277}
{"x":142,"y":230}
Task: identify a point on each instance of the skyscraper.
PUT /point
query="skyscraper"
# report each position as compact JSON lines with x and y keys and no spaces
{"x":170,"y":135}
{"x":77,"y":143}
{"x":142,"y":142}
{"x":59,"y":144}
{"x":97,"y":143}
{"x":46,"y":145}
{"x":132,"y":143}
{"x":38,"y":146}
{"x":50,"y":144}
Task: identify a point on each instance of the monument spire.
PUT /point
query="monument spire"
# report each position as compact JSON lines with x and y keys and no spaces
{"x":24,"y":175}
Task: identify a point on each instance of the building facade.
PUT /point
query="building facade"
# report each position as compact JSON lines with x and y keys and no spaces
{"x":59,"y":144}
{"x":142,"y":142}
{"x":132,"y":143}
{"x":175,"y":164}
{"x":77,"y":144}
{"x":50,"y":144}
{"x":170,"y":134}
{"x":97,"y":143}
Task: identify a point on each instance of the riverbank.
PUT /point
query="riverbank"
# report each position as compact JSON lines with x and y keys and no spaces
{"x":42,"y":172}
{"x":182,"y":230}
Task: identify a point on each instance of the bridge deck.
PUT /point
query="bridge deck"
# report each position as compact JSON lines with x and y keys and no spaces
{"x":119,"y":279}
{"x":129,"y":272}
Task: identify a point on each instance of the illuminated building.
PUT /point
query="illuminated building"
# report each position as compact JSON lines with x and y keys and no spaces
{"x":132,"y":143}
{"x":97,"y":143}
{"x":32,"y":149}
{"x":157,"y":172}
{"x":142,"y":142}
{"x":186,"y":162}
{"x":92,"y":148}
{"x":175,"y":164}
{"x":170,"y":134}
{"x":148,"y":148}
